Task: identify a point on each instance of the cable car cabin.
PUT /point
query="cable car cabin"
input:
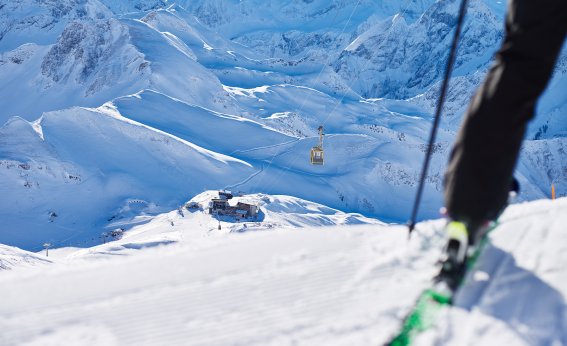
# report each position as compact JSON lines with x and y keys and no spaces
{"x":317,"y":155}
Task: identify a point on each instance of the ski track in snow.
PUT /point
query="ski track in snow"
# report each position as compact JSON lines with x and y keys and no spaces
{"x":348,"y":285}
{"x":511,"y":288}
{"x":243,"y":303}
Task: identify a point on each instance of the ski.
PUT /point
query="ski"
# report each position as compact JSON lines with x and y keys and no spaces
{"x":439,"y":295}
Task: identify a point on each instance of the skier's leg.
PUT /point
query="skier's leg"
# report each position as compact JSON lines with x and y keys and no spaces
{"x":480,"y":170}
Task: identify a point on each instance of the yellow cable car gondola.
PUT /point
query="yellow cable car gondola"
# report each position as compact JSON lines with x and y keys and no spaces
{"x":317,"y":152}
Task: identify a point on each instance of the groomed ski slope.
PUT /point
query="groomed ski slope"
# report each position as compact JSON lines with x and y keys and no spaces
{"x":347,"y":285}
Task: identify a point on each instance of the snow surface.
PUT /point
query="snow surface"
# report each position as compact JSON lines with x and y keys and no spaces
{"x":12,"y":257}
{"x":335,"y":286}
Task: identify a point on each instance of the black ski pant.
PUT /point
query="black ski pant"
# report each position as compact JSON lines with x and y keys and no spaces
{"x":482,"y":161}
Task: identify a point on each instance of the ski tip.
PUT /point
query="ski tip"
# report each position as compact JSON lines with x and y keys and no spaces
{"x":422,"y":316}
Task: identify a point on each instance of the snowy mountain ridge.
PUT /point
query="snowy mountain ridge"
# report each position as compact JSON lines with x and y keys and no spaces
{"x":399,"y":63}
{"x":159,"y":101}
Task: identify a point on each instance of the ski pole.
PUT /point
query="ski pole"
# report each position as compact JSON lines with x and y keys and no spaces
{"x":440,"y":101}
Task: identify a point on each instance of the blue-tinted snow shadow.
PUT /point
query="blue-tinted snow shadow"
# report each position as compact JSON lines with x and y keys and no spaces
{"x":139,"y":246}
{"x":532,"y":308}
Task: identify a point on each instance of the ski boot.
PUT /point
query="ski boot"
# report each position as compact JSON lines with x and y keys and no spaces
{"x":463,"y":239}
{"x":453,"y":260}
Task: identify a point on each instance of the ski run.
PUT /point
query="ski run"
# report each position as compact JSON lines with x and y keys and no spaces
{"x":172,"y":282}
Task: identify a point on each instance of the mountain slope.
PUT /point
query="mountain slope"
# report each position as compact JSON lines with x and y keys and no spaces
{"x":159,"y":150}
{"x":11,"y":257}
{"x":334,"y":286}
{"x":71,"y":192}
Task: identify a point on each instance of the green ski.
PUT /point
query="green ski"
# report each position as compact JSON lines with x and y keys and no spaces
{"x":427,"y":307}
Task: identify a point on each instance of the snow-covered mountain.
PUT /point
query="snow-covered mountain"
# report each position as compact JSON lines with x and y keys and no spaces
{"x":104,"y":102}
{"x":402,"y":60}
{"x":13,"y":257}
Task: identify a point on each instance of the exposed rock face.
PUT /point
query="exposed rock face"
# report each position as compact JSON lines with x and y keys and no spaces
{"x":96,"y":53}
{"x":400,"y":60}
{"x":43,"y":20}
